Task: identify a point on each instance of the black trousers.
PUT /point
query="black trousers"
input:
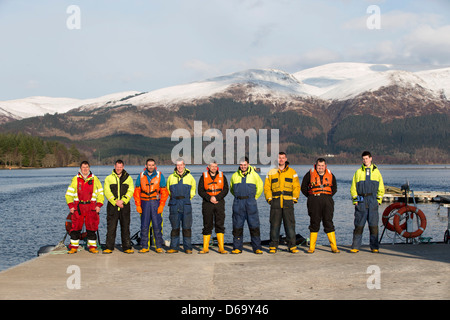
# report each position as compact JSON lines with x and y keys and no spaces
{"x":321,"y":209}
{"x":213,"y":217}
{"x":113,"y":216}
{"x":285,"y":215}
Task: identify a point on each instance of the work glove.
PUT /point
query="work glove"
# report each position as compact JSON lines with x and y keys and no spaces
{"x":160,"y":209}
{"x":139,"y":209}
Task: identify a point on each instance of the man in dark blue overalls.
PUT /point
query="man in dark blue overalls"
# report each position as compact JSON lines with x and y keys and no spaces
{"x":181,"y":187}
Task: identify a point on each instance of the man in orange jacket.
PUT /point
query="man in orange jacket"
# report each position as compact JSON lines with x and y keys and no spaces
{"x":150,"y":195}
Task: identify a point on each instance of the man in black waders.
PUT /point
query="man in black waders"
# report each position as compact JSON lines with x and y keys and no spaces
{"x":319,"y":186}
{"x":213,"y":187}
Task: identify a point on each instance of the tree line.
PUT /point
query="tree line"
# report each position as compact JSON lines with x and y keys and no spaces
{"x":22,"y":150}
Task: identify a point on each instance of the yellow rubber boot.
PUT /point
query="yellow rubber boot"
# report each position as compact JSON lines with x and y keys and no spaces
{"x":220,"y":242}
{"x":312,"y":242}
{"x":332,"y":239}
{"x":206,"y":239}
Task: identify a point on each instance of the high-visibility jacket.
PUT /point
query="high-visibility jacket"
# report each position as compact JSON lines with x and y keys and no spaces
{"x":283,"y":184}
{"x":153,"y":190}
{"x":83,"y":190}
{"x":246,"y":185}
{"x":213,"y":187}
{"x":187,"y":182}
{"x":320,"y":186}
{"x":119,"y":188}
{"x":363,"y":188}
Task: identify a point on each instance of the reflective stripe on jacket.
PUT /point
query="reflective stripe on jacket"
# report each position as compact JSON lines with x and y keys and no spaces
{"x":85,"y":190}
{"x":283,"y":184}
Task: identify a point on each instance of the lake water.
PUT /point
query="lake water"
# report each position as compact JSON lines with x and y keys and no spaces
{"x":33,"y":208}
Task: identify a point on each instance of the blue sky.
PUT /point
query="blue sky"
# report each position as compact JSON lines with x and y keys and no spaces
{"x":145,"y":45}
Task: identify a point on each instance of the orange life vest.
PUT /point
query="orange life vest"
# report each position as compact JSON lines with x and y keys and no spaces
{"x":150,"y":191}
{"x":318,"y":187}
{"x":213,"y":187}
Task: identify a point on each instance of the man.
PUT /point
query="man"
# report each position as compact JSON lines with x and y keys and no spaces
{"x":150,"y":195}
{"x":181,"y":187}
{"x":119,"y":190}
{"x":282,"y":189}
{"x":213,"y":187}
{"x":84,"y":197}
{"x":367,"y":192}
{"x":246,"y":186}
{"x":319,"y":186}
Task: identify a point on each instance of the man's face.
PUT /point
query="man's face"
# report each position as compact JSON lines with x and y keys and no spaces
{"x":282,"y":159}
{"x":119,"y":168}
{"x":243,"y":166}
{"x":367,"y":161}
{"x":85,"y":169}
{"x":213,"y":167}
{"x":320,"y":167}
{"x":180,"y":166}
{"x":151,"y":166}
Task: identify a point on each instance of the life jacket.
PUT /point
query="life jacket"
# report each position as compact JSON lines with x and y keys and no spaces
{"x":213,"y":187}
{"x":318,"y":187}
{"x":150,"y":191}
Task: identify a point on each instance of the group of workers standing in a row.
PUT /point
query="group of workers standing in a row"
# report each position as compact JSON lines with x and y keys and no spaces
{"x":85,"y":196}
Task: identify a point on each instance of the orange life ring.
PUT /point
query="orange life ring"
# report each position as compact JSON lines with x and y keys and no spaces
{"x":413,"y":210}
{"x":387,"y":214}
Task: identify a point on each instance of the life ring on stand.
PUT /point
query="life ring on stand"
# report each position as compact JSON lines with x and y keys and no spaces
{"x":408,"y":210}
{"x":387,"y":213}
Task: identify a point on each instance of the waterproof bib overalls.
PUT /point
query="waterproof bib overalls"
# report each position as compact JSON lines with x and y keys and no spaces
{"x":245,"y":209}
{"x":180,"y":214}
{"x":368,"y":185}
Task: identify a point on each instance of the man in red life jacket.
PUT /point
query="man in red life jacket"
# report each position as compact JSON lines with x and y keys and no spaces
{"x":84,"y":197}
{"x":213,"y":187}
{"x":150,"y":195}
{"x":319,"y":186}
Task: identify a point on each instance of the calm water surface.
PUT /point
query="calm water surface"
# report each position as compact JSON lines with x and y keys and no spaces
{"x":33,"y":208}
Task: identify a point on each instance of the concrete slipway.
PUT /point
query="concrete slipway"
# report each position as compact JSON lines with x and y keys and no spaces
{"x":399,"y":271}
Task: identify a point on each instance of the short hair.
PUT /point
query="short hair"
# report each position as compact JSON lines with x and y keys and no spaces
{"x":150,"y":159}
{"x":244,"y":159}
{"x":118,"y":161}
{"x":180,"y":159}
{"x":366,"y":153}
{"x":320,"y":160}
{"x":212,"y":161}
{"x":282,"y":153}
{"x":84,"y":162}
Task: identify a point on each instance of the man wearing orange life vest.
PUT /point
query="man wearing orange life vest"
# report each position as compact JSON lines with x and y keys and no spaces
{"x":319,"y":186}
{"x":150,"y":195}
{"x":213,"y":187}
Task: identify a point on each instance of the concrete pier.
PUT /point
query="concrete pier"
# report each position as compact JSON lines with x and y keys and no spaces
{"x":399,"y":271}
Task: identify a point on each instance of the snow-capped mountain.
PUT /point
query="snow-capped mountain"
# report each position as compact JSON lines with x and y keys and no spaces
{"x":327,"y":83}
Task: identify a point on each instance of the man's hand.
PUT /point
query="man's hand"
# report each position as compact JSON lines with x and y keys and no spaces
{"x":214,"y":200}
{"x":119,"y":203}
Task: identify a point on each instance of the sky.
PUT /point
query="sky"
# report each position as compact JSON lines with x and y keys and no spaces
{"x":87,"y":49}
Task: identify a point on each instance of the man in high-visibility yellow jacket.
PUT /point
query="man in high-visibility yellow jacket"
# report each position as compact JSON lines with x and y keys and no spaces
{"x":246,"y":186}
{"x":282,"y":189}
{"x":119,"y":189}
{"x":367,"y":192}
